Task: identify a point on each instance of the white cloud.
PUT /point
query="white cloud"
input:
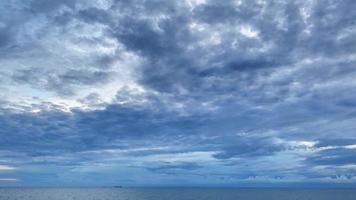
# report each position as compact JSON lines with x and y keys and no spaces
{"x":6,"y":168}
{"x":248,"y":31}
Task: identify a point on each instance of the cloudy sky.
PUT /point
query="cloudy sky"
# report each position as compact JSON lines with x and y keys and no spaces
{"x":177,"y":93}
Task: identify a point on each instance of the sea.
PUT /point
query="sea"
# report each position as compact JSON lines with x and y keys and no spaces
{"x":174,"y":194}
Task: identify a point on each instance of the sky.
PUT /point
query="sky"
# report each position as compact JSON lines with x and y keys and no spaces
{"x":178,"y":93}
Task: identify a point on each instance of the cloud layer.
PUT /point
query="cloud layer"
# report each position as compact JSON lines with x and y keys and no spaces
{"x":193,"y":92}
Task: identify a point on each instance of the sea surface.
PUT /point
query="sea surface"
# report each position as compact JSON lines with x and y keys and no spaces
{"x":174,"y":194}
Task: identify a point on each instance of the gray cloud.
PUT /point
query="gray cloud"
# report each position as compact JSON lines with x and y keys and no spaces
{"x":54,"y":82}
{"x":174,"y":168}
{"x":247,"y":146}
{"x":228,"y":81}
{"x":338,"y":156}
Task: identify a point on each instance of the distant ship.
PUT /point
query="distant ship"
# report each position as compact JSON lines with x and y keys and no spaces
{"x":118,"y":186}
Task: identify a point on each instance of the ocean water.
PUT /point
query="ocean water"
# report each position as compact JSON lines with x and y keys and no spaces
{"x":174,"y":194}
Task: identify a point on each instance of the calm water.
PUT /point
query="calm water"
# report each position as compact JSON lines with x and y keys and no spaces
{"x":173,"y":194}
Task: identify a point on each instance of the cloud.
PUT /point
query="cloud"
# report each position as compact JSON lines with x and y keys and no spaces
{"x":337,"y":156}
{"x":335,"y":142}
{"x":167,"y":167}
{"x":8,"y":180}
{"x":40,"y":79}
{"x":6,"y":168}
{"x":143,"y":87}
{"x":247,"y":146}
